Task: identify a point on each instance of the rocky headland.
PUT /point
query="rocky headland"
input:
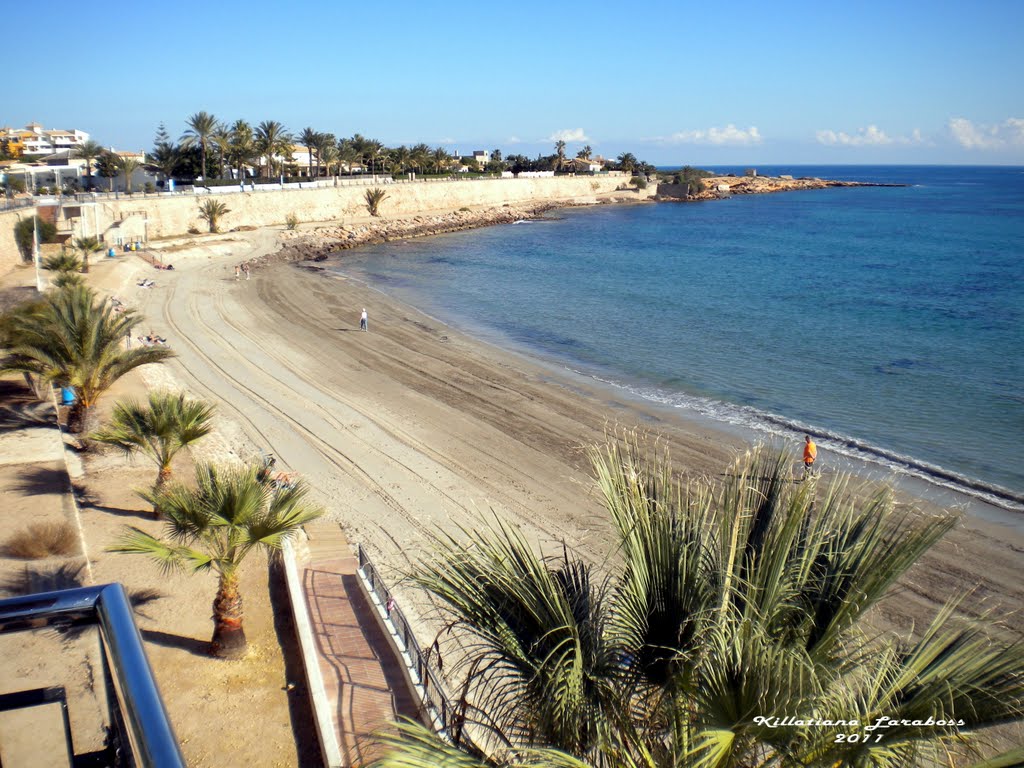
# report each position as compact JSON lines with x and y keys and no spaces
{"x":717,"y":186}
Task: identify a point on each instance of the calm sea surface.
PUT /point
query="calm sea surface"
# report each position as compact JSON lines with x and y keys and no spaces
{"x":889,"y":322}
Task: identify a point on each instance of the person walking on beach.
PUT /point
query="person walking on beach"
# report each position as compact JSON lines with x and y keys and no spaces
{"x":238,"y":271}
{"x":245,"y":267}
{"x":810,"y":454}
{"x":363,"y":321}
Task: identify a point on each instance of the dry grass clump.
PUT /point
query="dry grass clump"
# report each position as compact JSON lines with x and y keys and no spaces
{"x":42,"y":540}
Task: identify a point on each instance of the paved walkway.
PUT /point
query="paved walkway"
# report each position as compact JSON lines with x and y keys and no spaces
{"x":363,"y":677}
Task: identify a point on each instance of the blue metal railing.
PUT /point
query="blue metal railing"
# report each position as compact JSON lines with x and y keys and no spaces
{"x":146,"y":737}
{"x":425,"y":665}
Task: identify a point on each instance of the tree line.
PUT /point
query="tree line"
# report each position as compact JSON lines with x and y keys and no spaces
{"x":213,"y":149}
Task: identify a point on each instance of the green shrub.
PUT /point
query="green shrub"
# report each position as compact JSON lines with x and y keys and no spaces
{"x":291,"y":221}
{"x":23,"y":234}
{"x":640,"y":182}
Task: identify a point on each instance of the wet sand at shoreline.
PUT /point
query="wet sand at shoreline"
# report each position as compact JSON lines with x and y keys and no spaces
{"x":413,"y":426}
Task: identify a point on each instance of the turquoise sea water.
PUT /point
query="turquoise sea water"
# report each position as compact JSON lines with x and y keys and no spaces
{"x":889,"y":322}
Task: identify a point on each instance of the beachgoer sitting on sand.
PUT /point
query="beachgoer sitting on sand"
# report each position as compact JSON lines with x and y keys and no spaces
{"x":284,"y":480}
{"x":145,"y":283}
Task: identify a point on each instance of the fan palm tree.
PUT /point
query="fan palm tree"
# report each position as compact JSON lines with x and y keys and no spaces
{"x":273,"y":140}
{"x":584,"y":154}
{"x":627,"y":162}
{"x":86,"y":246}
{"x":201,"y":127}
{"x":74,"y":339}
{"x":128,"y":166}
{"x":402,"y":158}
{"x":160,"y":431}
{"x":211,"y":211}
{"x":88,"y":151}
{"x":213,"y":527}
{"x":725,"y":608}
{"x":348,"y":154}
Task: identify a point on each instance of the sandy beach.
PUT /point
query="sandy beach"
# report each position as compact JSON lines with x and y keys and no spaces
{"x":413,"y":426}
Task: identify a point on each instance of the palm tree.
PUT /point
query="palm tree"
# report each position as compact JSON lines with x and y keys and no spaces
{"x":221,"y":139}
{"x":402,"y":158}
{"x":201,"y":127}
{"x":420,"y":157}
{"x":88,"y":151}
{"x":127,"y":166}
{"x":108,"y":166}
{"x":584,"y":154}
{"x":242,"y":147}
{"x":627,"y":162}
{"x":273,"y":140}
{"x":441,"y":159}
{"x":559,"y":155}
{"x":328,"y":155}
{"x":212,"y":527}
{"x":76,"y":340}
{"x":86,"y":246}
{"x":348,"y":154}
{"x":63,"y":262}
{"x":725,"y":608}
{"x":211,"y":211}
{"x":160,"y":431}
{"x":324,"y":145}
{"x":374,"y":197}
{"x":308,"y":138}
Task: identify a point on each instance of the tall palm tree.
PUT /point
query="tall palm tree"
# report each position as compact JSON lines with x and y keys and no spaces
{"x":328,"y":155}
{"x":420,"y":157}
{"x":88,"y":151}
{"x":221,"y":139}
{"x":584,"y":154}
{"x":401,"y":157}
{"x":242,"y":148}
{"x":201,"y":127}
{"x":440,"y":159}
{"x":128,"y":166}
{"x":76,"y":340}
{"x":213,"y":527}
{"x":273,"y":140}
{"x":559,"y":155}
{"x":348,"y":154}
{"x":87,"y":246}
{"x":725,"y":608}
{"x":324,"y":144}
{"x":308,"y":139}
{"x":159,"y":430}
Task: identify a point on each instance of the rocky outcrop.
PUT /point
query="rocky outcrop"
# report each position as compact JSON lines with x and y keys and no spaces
{"x":717,"y":186}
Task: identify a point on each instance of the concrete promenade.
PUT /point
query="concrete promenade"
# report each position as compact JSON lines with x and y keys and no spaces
{"x":363,"y":677}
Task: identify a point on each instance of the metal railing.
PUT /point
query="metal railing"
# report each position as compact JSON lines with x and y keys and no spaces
{"x":142,"y":731}
{"x":445,"y":714}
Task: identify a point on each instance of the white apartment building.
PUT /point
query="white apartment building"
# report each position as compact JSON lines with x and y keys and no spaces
{"x":36,"y":140}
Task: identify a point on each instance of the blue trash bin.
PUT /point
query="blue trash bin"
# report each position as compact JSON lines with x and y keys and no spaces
{"x":67,"y":396}
{"x":111,"y":253}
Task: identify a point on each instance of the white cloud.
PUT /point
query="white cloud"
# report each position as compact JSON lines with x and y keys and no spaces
{"x":446,"y":141}
{"x":513,"y":140}
{"x":872,"y":136}
{"x":971,"y":136}
{"x":569,"y":134}
{"x":717,"y":136}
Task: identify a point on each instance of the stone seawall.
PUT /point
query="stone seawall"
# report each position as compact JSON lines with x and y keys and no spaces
{"x":10,"y":256}
{"x":152,"y":217}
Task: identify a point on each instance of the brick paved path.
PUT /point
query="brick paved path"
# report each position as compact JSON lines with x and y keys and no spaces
{"x":362,"y":675}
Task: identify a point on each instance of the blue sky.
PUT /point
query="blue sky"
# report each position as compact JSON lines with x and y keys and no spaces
{"x":701,"y":83}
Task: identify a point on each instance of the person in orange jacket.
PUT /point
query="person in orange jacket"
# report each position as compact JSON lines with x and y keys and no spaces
{"x":810,"y":454}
